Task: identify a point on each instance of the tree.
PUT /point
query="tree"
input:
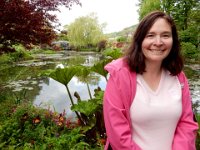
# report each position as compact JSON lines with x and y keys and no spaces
{"x":181,"y":12}
{"x":85,"y":31}
{"x":147,"y":6}
{"x":167,"y":5}
{"x":28,"y":21}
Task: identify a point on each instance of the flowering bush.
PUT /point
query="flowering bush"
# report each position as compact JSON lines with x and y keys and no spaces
{"x":35,"y":128}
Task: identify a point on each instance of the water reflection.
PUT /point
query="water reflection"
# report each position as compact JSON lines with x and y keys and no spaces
{"x":54,"y":95}
{"x":46,"y":92}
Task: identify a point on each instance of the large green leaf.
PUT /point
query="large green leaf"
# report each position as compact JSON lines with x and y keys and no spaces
{"x":64,"y":75}
{"x":86,"y":107}
{"x":113,"y":53}
{"x":83,"y":72}
{"x":99,"y":67}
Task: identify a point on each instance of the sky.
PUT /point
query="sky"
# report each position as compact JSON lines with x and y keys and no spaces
{"x":117,"y":14}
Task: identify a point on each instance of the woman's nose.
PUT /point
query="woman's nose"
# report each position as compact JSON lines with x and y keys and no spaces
{"x":158,"y":41}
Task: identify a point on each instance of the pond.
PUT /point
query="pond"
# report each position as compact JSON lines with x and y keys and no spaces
{"x":23,"y":83}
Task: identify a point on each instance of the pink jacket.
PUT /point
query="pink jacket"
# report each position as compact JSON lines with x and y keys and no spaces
{"x":118,"y":96}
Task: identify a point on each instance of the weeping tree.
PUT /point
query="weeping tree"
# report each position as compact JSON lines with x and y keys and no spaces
{"x":85,"y":31}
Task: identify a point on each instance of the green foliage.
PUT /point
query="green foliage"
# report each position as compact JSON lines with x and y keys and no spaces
{"x":89,"y":112}
{"x":148,"y":6}
{"x":99,"y":67}
{"x":28,"y":127}
{"x":63,"y":75}
{"x":189,"y":50}
{"x":84,"y":75}
{"x":63,"y":36}
{"x":113,"y":53}
{"x":4,"y":59}
{"x":92,"y":114}
{"x":167,"y":5}
{"x":89,"y":107}
{"x":19,"y":54}
{"x":121,"y":39}
{"x":83,"y":71}
{"x":35,"y":128}
{"x":6,"y":104}
{"x":85,"y":31}
{"x":29,"y":22}
{"x":191,"y":35}
{"x":181,"y":12}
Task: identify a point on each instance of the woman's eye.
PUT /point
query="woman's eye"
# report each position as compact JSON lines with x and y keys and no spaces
{"x":166,"y":35}
{"x":149,"y":35}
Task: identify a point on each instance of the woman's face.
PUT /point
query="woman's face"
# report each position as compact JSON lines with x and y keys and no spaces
{"x":158,"y":41}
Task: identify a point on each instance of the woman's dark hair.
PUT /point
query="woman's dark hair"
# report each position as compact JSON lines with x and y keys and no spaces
{"x":134,"y":56}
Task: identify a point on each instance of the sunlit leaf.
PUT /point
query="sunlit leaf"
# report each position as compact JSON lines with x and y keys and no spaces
{"x":63,"y":75}
{"x":86,"y":107}
{"x":99,"y":67}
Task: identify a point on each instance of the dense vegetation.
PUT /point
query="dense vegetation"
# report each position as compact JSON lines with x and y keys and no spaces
{"x":28,"y":23}
{"x":23,"y":126}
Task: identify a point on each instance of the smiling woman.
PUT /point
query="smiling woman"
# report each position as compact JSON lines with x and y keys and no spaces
{"x":158,"y":42}
{"x":143,"y":86}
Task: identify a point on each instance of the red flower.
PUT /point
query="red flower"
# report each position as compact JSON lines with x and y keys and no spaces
{"x":36,"y":120}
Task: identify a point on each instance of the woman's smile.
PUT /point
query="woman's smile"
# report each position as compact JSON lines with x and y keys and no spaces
{"x":156,"y":52}
{"x":158,"y":42}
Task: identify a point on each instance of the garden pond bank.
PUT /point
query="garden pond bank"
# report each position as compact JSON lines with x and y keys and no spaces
{"x":23,"y":83}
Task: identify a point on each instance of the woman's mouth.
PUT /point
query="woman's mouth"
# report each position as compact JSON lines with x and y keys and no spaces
{"x":156,"y":52}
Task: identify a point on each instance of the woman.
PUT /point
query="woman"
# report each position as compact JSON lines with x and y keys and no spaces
{"x":147,"y":103}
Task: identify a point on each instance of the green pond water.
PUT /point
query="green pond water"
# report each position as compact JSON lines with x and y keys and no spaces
{"x":21,"y":80}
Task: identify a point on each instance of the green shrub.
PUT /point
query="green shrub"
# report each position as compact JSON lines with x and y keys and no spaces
{"x":121,"y":39}
{"x":35,"y":128}
{"x":191,"y":35}
{"x":20,"y":54}
{"x":113,"y":53}
{"x":189,"y":50}
{"x":4,"y":58}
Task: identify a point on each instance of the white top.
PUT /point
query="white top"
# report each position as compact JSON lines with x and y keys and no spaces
{"x":154,"y":114}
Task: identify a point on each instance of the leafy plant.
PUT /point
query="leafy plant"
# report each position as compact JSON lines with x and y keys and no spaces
{"x":36,"y":128}
{"x":99,"y":68}
{"x":189,"y":50}
{"x":84,"y":73}
{"x":35,"y":25}
{"x":91,"y":111}
{"x":113,"y":53}
{"x":64,"y":75}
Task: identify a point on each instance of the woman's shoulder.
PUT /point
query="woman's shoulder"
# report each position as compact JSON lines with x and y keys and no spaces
{"x":117,"y":65}
{"x":182,"y":77}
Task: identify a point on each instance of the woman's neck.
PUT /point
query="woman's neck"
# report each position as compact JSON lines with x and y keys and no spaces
{"x":153,"y":69}
{"x":152,"y":75}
